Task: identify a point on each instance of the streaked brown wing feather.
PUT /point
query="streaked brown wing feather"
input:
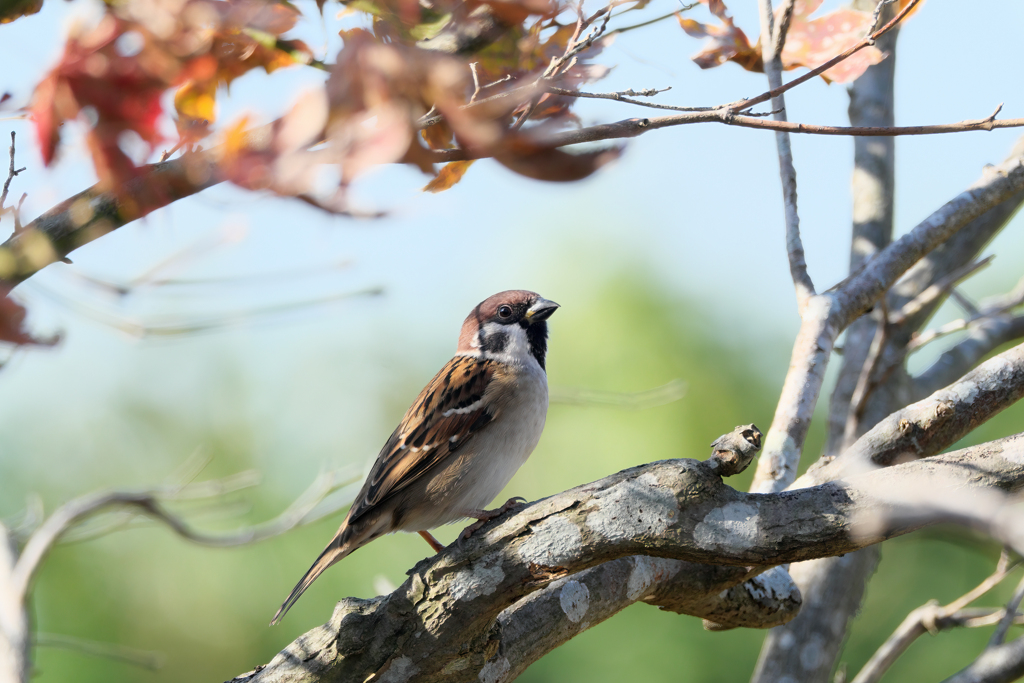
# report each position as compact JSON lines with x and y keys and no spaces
{"x":424,"y":437}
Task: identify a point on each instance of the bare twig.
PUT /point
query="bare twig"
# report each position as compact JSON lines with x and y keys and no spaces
{"x":637,"y":400}
{"x":876,"y":16}
{"x":64,"y":230}
{"x":476,"y":82}
{"x":938,"y":289}
{"x":772,"y":42}
{"x":999,"y":635}
{"x":931,"y":618}
{"x":11,"y":173}
{"x":990,"y":309}
{"x":782,"y":28}
{"x":172,"y":327}
{"x":858,"y":401}
{"x":985,"y":337}
{"x":152,"y":661}
{"x":626,"y":96}
{"x":151,"y":504}
{"x":663,"y":17}
{"x":963,"y":302}
{"x":630,"y":128}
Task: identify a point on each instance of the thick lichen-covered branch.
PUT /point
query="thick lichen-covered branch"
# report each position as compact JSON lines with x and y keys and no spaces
{"x":441,"y":623}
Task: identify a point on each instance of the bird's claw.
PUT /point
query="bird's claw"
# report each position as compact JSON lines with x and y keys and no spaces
{"x":485,"y":516}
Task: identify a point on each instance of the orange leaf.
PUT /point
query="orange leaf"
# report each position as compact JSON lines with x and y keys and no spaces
{"x":195,"y":102}
{"x":448,"y":176}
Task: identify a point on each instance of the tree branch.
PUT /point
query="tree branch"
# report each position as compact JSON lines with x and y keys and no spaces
{"x":1001,"y":664}
{"x":931,"y":618}
{"x":983,"y":339}
{"x":932,"y":424}
{"x":11,"y":174}
{"x":995,"y":307}
{"x":630,"y":128}
{"x":827,"y":314}
{"x":97,"y":211}
{"x":151,"y":504}
{"x":443,"y":623}
{"x":955,"y":253}
{"x":772,"y":42}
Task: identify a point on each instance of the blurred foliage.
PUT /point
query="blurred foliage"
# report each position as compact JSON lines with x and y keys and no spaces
{"x":207,"y":610}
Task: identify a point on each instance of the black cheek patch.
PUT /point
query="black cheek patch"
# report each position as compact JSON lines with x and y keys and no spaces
{"x":495,"y":343}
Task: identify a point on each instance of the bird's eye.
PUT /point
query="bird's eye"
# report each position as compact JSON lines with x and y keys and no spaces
{"x":504,"y":311}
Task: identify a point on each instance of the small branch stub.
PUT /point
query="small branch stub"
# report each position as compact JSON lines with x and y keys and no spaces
{"x":732,"y":452}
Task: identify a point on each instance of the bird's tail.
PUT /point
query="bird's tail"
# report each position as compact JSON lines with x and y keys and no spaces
{"x":337,"y":549}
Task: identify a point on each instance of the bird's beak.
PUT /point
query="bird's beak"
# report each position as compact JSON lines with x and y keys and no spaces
{"x":540,"y":310}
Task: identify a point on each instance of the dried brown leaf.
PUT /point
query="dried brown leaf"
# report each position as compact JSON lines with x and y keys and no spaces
{"x":448,"y":176}
{"x":551,"y":164}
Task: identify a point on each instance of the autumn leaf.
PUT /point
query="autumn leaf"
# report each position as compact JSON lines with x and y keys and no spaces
{"x":116,"y":73}
{"x":246,"y":37}
{"x":377,"y":93}
{"x":123,"y":93}
{"x":12,"y":323}
{"x":727,"y":41}
{"x":535,"y":160}
{"x":448,"y":176}
{"x":514,"y":12}
{"x":195,"y":102}
{"x":809,"y":42}
{"x":15,"y":9}
{"x":438,"y":135}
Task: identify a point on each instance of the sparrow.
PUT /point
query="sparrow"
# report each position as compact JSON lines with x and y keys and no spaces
{"x":465,"y":436}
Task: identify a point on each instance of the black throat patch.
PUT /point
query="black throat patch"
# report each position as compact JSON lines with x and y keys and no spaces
{"x":537,"y":336}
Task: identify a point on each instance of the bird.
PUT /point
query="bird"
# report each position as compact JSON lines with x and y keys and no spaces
{"x":464,"y":437}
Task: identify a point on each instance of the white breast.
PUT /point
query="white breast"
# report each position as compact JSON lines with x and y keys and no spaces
{"x":483,"y":467}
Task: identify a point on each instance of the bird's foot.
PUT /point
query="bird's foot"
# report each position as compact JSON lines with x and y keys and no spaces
{"x":433,"y":542}
{"x":484,"y":516}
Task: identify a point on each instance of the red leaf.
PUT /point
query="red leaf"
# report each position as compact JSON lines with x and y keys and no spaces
{"x":122,"y":92}
{"x":12,"y":323}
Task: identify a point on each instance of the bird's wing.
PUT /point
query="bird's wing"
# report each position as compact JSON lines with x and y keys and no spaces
{"x":454,"y":406}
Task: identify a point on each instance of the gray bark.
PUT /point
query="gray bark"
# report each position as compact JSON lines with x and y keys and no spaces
{"x":806,"y":648}
{"x":444,"y":623}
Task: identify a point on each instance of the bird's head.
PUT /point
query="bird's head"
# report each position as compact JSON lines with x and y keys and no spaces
{"x":509,"y":326}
